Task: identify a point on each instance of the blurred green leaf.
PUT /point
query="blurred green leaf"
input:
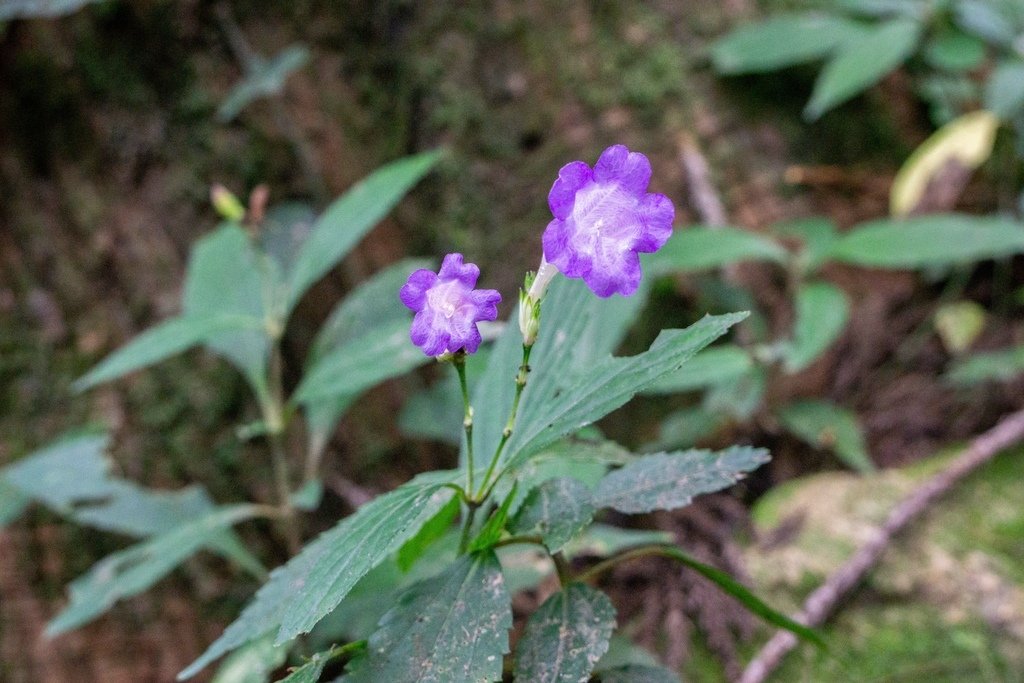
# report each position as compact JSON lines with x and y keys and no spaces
{"x":861,"y":63}
{"x":328,"y":567}
{"x":683,"y":428}
{"x":740,"y":397}
{"x":227,"y":276}
{"x":310,"y":671}
{"x":453,"y":627}
{"x":711,"y":366}
{"x":602,"y":540}
{"x":934,"y":240}
{"x":350,"y":217}
{"x":556,"y":510}
{"x":264,"y":77}
{"x":782,"y":41}
{"x":1000,"y":366}
{"x":698,"y":248}
{"x":954,"y":50}
{"x":565,"y":637}
{"x":817,"y":234}
{"x":434,"y":413}
{"x":163,"y":341}
{"x":1004,"y":89}
{"x":31,"y":9}
{"x":132,"y":571}
{"x":987,"y":20}
{"x":309,"y":496}
{"x":826,"y":425}
{"x":884,"y":8}
{"x":254,"y":663}
{"x":666,"y":481}
{"x":821,"y":315}
{"x":71,"y":470}
{"x":12,"y":502}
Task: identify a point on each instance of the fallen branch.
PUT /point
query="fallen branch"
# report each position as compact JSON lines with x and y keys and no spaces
{"x":820,"y":604}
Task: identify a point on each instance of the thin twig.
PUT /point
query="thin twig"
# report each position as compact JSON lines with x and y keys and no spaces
{"x":703,"y":196}
{"x":821,"y":603}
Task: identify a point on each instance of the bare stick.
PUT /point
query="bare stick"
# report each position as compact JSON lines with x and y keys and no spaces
{"x":703,"y":196}
{"x":820,"y":604}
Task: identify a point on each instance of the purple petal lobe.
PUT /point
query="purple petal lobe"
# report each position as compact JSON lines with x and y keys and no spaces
{"x":447,"y":307}
{"x":603,"y":218}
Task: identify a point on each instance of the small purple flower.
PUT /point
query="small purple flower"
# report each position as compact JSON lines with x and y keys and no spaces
{"x":447,"y":307}
{"x":603,"y":217}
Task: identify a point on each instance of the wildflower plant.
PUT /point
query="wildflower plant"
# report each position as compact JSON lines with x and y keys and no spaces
{"x":416,"y":584}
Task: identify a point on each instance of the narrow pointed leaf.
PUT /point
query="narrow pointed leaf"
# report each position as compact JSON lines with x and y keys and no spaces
{"x":327,"y":568}
{"x":163,"y":341}
{"x":781,"y":41}
{"x":861,"y":63}
{"x":665,"y":481}
{"x":132,"y":571}
{"x":934,"y":240}
{"x":350,"y":217}
{"x":491,"y":531}
{"x":606,"y":385}
{"x":452,"y":628}
{"x":566,"y":636}
{"x":821,"y":314}
{"x":556,"y":510}
{"x":227,"y":276}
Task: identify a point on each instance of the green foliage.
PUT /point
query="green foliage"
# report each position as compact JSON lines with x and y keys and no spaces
{"x":637,"y":673}
{"x":863,"y":62}
{"x":825,"y":425}
{"x":783,"y":40}
{"x":821,"y":315}
{"x":1002,"y":365}
{"x":700,"y":248}
{"x":263,"y":78}
{"x":711,"y":366}
{"x":935,"y":240}
{"x":251,"y":664}
{"x":565,"y":637}
{"x":328,"y":568}
{"x":134,"y":570}
{"x":1004,"y":91}
{"x":665,"y":481}
{"x":452,"y":627}
{"x":556,"y":511}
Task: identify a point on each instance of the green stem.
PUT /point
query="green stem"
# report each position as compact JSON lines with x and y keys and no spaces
{"x":722,"y":579}
{"x":273,"y":416}
{"x":562,"y":569}
{"x":506,"y":434}
{"x":459,"y":361}
{"x":467,"y":526}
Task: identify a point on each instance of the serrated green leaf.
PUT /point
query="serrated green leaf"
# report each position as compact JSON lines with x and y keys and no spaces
{"x":699,"y":248}
{"x":227,"y":276}
{"x":637,"y":673}
{"x":310,"y":671}
{"x":328,"y":567}
{"x":70,"y":470}
{"x":1004,"y":89}
{"x":1000,"y":366}
{"x":254,"y":663}
{"x":265,"y":77}
{"x":557,"y":410}
{"x":132,"y":571}
{"x":565,"y":637}
{"x":782,"y":41}
{"x":435,"y":528}
{"x":577,"y":330}
{"x":495,"y":524}
{"x":556,"y":510}
{"x":935,"y":240}
{"x":826,"y":425}
{"x":861,"y":63}
{"x":665,"y":481}
{"x":452,"y":628}
{"x":350,"y":217}
{"x":711,"y":366}
{"x":163,"y":341}
{"x":821,"y":314}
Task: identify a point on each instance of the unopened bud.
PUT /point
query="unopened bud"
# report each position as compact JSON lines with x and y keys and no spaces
{"x":225,"y":203}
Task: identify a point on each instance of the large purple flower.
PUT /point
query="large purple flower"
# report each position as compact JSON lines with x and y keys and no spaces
{"x":447,"y":307}
{"x":603,"y":217}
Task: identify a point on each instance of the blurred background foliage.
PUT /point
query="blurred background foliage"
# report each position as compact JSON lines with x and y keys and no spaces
{"x":116,"y":118}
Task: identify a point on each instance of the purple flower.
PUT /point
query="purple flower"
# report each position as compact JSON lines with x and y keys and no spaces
{"x":447,"y":307}
{"x":603,"y":218}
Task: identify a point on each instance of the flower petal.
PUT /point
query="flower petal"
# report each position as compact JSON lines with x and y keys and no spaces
{"x":571,"y":178}
{"x":413,"y":293}
{"x":656,"y":214}
{"x":632,"y":170}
